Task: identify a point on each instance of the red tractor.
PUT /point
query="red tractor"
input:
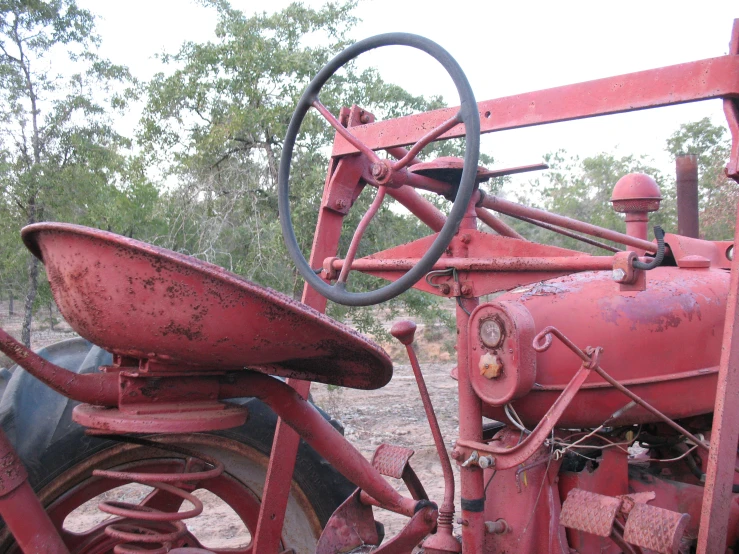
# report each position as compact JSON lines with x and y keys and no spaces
{"x":608,"y":379}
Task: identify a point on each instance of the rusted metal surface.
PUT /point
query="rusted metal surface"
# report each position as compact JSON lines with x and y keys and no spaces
{"x":145,"y":524}
{"x":511,"y":354}
{"x":509,"y":457}
{"x":374,"y":265}
{"x":236,"y":489}
{"x":513,"y":209}
{"x":655,"y":528}
{"x":511,"y":258}
{"x":591,"y":359}
{"x":307,"y":421}
{"x":609,"y":478}
{"x":94,"y":389}
{"x":352,"y":525}
{"x":142,"y":301}
{"x":391,"y":460}
{"x":168,"y":418}
{"x":285,"y":444}
{"x":21,"y":510}
{"x":731,"y":110}
{"x":699,"y":80}
{"x":725,"y":430}
{"x":12,"y":472}
{"x":636,"y":195}
{"x":589,"y":512}
{"x":420,"y":525}
{"x":686,"y":182}
{"x":716,"y":252}
{"x":482,"y":213}
{"x":532,"y":516}
{"x":678,"y":307}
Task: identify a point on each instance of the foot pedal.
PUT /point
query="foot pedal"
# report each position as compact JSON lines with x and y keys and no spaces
{"x":351,"y":528}
{"x":589,"y":512}
{"x":655,"y":528}
{"x":391,"y":460}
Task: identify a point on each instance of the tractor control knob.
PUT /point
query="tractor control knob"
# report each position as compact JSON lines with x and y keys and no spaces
{"x":635,"y":195}
{"x":404,"y":331}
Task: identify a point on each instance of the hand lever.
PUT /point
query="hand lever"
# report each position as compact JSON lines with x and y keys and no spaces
{"x":443,"y":540}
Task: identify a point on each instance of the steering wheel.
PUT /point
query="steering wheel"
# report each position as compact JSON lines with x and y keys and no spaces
{"x":467,"y":114}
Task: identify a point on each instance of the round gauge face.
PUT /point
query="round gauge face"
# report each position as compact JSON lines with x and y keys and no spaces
{"x":491,"y":333}
{"x":730,"y":253}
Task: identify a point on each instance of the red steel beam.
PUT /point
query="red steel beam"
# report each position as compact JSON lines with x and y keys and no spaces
{"x":500,"y":263}
{"x":718,"y":495}
{"x":675,"y":84}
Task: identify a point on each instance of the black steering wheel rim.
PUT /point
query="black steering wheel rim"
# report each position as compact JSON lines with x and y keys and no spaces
{"x":468,"y":115}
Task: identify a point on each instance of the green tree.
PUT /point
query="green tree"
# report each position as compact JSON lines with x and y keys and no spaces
{"x":215,"y":125}
{"x":582,"y":189}
{"x":62,"y":158}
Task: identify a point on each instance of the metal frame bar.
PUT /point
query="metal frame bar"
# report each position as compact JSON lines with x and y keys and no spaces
{"x":676,"y":84}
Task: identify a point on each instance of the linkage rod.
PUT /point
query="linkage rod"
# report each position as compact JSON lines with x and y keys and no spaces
{"x":515,"y":210}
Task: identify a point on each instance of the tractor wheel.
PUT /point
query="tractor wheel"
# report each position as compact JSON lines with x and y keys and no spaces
{"x":60,"y":458}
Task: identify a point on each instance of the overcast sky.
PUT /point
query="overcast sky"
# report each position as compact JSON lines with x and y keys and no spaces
{"x":504,"y":47}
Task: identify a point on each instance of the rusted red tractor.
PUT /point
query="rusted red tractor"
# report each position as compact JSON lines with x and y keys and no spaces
{"x":614,"y":377}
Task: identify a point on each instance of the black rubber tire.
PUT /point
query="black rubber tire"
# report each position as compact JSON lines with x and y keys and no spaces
{"x":38,"y":421}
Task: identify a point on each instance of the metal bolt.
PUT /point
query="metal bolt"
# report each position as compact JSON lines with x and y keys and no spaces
{"x":461,"y":521}
{"x":466,"y":238}
{"x":379,"y":171}
{"x":618,"y":274}
{"x":466,"y":290}
{"x":497,"y":527}
{"x":341,"y":203}
{"x":456,"y":454}
{"x":445,"y":288}
{"x":486,"y":461}
{"x":472,"y":459}
{"x":364,"y":118}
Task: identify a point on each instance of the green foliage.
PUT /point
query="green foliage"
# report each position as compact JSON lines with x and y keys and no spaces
{"x":62,"y":159}
{"x":581,"y":189}
{"x":216,"y":123}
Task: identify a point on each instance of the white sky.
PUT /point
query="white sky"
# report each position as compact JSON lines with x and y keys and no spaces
{"x":504,"y":47}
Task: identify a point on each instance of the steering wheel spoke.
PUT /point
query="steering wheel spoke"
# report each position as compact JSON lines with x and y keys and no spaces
{"x":425,"y":140}
{"x":380,"y":172}
{"x":363,"y":224}
{"x":344,"y":132}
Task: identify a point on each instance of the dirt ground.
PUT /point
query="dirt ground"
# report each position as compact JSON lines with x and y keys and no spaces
{"x":393,"y":414}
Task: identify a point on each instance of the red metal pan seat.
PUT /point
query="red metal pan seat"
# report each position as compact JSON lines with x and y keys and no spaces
{"x":142,"y":301}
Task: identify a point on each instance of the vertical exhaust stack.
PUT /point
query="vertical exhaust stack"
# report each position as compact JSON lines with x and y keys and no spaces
{"x":686,"y":170}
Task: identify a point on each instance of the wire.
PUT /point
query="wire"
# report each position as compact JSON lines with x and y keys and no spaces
{"x":485,"y":490}
{"x":510,"y":411}
{"x":665,"y":460}
{"x":594,"y":433}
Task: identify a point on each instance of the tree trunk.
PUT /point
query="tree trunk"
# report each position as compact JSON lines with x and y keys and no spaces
{"x":30,"y":298}
{"x":10,"y":303}
{"x":51,"y":316}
